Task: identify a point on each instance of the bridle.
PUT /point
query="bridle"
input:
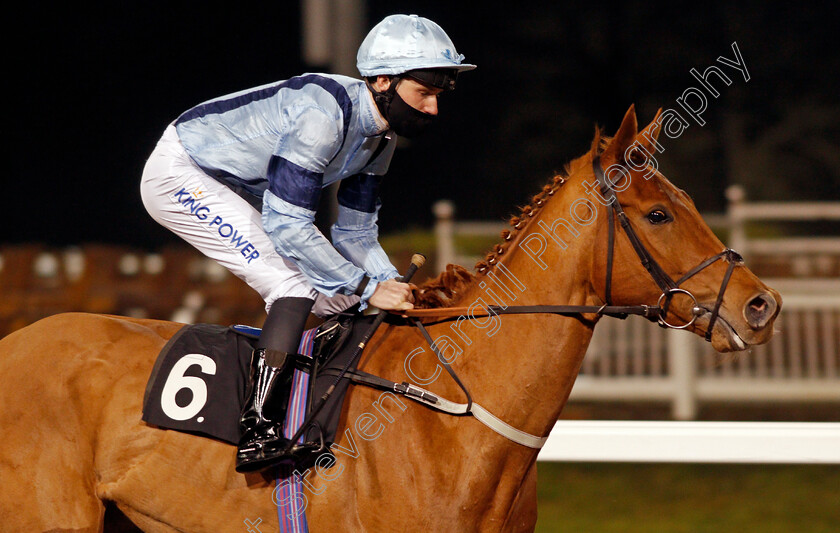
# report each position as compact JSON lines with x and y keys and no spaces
{"x":666,"y":284}
{"x":663,"y":280}
{"x":657,"y":313}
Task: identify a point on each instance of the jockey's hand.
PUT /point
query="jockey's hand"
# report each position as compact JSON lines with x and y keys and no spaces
{"x":392,"y":295}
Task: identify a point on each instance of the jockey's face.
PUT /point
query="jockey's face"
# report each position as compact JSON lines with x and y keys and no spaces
{"x":419,"y":96}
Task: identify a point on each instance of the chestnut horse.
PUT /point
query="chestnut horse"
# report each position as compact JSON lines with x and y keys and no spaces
{"x":73,"y":384}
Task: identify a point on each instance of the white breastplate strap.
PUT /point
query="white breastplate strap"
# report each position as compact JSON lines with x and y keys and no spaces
{"x":480,"y":413}
{"x":506,"y":430}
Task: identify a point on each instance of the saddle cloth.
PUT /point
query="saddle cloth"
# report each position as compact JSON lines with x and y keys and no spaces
{"x":199,"y":380}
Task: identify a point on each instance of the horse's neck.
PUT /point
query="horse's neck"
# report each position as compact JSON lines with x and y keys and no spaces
{"x":519,"y":367}
{"x":522,"y":367}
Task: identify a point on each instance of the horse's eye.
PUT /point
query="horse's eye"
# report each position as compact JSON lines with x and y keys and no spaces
{"x":658,"y":216}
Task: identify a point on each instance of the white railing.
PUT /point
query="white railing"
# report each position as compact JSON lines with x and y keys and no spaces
{"x":739,"y":213}
{"x":634,"y":359}
{"x":694,"y":442}
{"x":446,"y":230}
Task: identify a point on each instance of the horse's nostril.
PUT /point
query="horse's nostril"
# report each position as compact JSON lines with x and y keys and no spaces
{"x":758,"y":304}
{"x":759,"y":310}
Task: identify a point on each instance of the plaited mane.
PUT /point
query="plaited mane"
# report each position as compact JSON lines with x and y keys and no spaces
{"x":443,"y":289}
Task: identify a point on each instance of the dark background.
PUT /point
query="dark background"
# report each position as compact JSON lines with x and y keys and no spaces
{"x":93,"y":88}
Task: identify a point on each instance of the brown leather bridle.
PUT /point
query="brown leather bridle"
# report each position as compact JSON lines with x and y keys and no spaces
{"x":657,"y":313}
{"x":666,"y":284}
{"x":663,"y":280}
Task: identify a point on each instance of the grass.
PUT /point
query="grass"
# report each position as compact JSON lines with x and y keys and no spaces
{"x":628,"y":498}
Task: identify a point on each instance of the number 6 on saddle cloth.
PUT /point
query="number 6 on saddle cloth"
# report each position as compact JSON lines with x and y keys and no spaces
{"x":199,"y":380}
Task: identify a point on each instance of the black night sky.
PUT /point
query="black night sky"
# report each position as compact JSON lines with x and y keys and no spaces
{"x":92,"y":89}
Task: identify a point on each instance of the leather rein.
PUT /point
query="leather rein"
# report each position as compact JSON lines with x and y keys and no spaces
{"x":666,"y":284}
{"x":657,"y":313}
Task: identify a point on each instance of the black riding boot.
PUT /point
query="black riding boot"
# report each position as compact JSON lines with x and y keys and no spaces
{"x":261,"y":425}
{"x":272,"y":367}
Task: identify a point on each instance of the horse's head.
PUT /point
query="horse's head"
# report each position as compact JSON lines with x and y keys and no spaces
{"x":639,"y":240}
{"x":679,"y":248}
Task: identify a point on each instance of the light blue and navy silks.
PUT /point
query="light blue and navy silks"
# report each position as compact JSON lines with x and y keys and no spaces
{"x":279,"y":145}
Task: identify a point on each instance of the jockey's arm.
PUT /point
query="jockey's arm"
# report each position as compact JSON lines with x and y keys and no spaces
{"x":296,"y":175}
{"x":294,"y":234}
{"x":355,"y":233}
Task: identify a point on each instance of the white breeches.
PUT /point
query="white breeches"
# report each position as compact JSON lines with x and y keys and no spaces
{"x":223,"y":226}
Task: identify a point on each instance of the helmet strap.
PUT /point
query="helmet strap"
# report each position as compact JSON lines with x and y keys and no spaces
{"x":383,"y":98}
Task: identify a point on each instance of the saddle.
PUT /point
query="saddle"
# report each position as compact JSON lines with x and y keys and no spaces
{"x":199,"y":380}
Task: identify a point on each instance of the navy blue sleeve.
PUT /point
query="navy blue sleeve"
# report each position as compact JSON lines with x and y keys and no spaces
{"x":360,"y":192}
{"x":294,"y":184}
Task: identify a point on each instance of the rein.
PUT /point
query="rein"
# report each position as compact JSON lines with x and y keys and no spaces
{"x":666,"y":284}
{"x":657,"y":312}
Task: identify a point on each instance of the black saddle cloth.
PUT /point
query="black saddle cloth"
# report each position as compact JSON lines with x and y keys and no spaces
{"x":199,"y":380}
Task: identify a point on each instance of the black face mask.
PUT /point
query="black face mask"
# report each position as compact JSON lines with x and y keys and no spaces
{"x":407,"y":121}
{"x":402,"y":118}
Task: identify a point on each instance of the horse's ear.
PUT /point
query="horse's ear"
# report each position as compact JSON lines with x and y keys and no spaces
{"x":648,"y":136}
{"x":624,"y":137}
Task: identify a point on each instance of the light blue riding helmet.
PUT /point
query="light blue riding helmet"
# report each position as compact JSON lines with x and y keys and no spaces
{"x":401,"y":43}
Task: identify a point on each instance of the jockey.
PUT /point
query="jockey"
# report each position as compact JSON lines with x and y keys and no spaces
{"x":239,"y":177}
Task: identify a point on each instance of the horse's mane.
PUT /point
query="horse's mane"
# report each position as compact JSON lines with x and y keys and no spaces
{"x":441,"y":290}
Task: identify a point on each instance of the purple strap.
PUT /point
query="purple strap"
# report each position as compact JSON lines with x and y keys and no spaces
{"x":288,"y":493}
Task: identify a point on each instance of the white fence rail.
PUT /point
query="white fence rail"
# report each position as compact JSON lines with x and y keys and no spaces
{"x":693,"y":442}
{"x":739,"y":213}
{"x":446,"y":229}
{"x":636,"y":360}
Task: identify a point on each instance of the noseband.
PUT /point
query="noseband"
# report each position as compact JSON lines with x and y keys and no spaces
{"x":666,"y":284}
